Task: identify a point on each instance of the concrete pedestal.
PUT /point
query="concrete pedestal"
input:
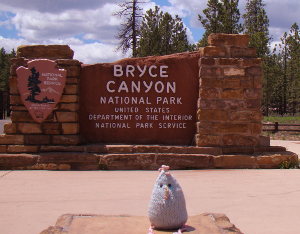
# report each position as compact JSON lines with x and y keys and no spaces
{"x":207,"y":223}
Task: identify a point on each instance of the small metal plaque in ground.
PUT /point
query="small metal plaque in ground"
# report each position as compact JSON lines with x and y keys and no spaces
{"x":207,"y":223}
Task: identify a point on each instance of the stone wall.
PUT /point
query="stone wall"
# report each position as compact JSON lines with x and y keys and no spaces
{"x":230,"y":93}
{"x":23,"y":135}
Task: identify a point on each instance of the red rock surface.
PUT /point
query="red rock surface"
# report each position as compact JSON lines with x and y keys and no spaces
{"x":141,"y":157}
{"x":45,"y":51}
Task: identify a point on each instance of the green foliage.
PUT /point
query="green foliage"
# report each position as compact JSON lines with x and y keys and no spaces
{"x":281,"y":85}
{"x":289,"y":164}
{"x":4,"y":68}
{"x":282,"y":119}
{"x":256,"y":24}
{"x":230,"y":17}
{"x":162,"y":34}
{"x":211,"y":20}
{"x":220,"y":17}
{"x":282,"y":76}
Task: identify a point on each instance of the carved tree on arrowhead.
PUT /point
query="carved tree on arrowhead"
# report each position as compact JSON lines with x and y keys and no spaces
{"x":33,"y":85}
{"x":129,"y":32}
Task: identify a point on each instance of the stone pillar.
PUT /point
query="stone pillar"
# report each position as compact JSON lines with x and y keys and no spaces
{"x":23,"y":135}
{"x":230,"y":94}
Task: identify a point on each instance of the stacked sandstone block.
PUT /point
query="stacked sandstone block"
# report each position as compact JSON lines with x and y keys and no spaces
{"x":230,"y":94}
{"x":23,"y":135}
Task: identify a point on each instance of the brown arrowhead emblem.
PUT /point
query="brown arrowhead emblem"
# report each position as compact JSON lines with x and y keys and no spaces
{"x":41,"y":86}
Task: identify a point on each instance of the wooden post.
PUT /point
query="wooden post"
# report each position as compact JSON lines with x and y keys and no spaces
{"x":2,"y":113}
{"x":276,"y":127}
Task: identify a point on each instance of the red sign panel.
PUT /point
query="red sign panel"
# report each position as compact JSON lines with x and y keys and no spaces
{"x":149,"y":100}
{"x":40,"y":85}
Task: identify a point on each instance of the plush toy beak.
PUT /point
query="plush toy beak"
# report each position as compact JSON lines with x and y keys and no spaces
{"x":166,"y":193}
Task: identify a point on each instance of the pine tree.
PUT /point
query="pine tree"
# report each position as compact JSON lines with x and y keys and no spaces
{"x":166,"y":32}
{"x":256,"y":24}
{"x":279,"y":76}
{"x":285,"y":74}
{"x":162,"y":34}
{"x":230,"y":17}
{"x":150,"y":33}
{"x":220,"y":17}
{"x":4,"y":68}
{"x":284,"y":53}
{"x":129,"y":32}
{"x":212,"y":20}
{"x":180,"y":40}
{"x":271,"y":82}
{"x":3,"y":61}
{"x":293,"y":69}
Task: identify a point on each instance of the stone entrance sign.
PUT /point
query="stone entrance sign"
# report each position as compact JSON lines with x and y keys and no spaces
{"x":140,"y":101}
{"x":191,"y":110}
{"x":40,"y":86}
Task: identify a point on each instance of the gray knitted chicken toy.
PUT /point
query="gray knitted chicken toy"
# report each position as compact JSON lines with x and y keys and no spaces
{"x":167,"y":209}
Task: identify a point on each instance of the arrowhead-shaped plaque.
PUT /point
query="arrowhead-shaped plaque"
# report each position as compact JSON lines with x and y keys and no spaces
{"x":40,"y":86}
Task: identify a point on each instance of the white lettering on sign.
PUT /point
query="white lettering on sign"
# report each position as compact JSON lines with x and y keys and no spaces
{"x":178,"y":117}
{"x":52,"y":83}
{"x":150,"y":71}
{"x":138,"y":86}
{"x":129,"y":70}
{"x":52,"y":79}
{"x":118,"y":71}
{"x":168,"y":100}
{"x":172,"y":125}
{"x":109,"y":117}
{"x":51,"y":74}
{"x":157,"y":110}
{"x":123,"y":87}
{"x":112,"y":125}
{"x":142,"y":71}
{"x":144,"y":125}
{"x":126,"y":109}
{"x":132,"y":103}
{"x":163,"y":71}
{"x":108,"y":86}
{"x":116,"y":100}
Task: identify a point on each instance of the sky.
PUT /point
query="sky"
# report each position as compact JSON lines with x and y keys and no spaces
{"x":89,"y":27}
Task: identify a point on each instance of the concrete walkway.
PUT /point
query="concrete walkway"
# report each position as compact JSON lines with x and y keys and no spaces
{"x":256,"y":201}
{"x":293,"y":146}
